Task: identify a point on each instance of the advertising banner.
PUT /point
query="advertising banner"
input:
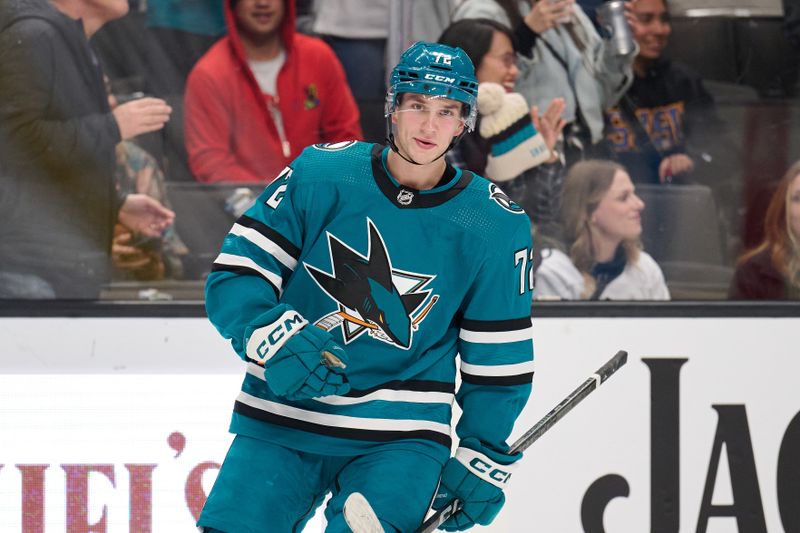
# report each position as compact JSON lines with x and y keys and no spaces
{"x":119,"y":425}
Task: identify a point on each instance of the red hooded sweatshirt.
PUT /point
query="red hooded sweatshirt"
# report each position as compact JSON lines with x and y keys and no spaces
{"x":231,"y":134}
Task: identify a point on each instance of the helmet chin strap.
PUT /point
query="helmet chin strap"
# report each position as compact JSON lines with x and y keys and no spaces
{"x":393,"y":145}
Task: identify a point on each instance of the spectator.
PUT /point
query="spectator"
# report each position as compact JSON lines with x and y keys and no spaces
{"x":57,"y":141}
{"x":561,"y":54}
{"x":261,"y":94}
{"x":136,"y":256}
{"x":602,"y":223}
{"x":771,"y":270}
{"x":357,"y":30}
{"x":648,"y":130}
{"x":534,"y":186}
{"x":133,"y":255}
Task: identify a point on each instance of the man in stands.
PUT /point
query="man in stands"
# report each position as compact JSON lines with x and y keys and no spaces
{"x":57,"y":151}
{"x":262,"y":94}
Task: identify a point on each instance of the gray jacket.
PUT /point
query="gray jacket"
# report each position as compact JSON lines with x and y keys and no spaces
{"x":594,"y":79}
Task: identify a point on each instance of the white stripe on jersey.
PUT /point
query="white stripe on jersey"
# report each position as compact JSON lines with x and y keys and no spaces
{"x":238,"y":260}
{"x":496,"y":337}
{"x":390,"y":395}
{"x":387,"y":395}
{"x":342,"y":421}
{"x":265,"y":244}
{"x":256,"y":370}
{"x":497,"y":370}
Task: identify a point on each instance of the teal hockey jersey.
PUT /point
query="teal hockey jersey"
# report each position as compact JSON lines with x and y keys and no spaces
{"x":406,"y":281}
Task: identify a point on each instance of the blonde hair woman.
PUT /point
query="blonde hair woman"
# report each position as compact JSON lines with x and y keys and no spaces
{"x":603,"y":258}
{"x":771,"y":271}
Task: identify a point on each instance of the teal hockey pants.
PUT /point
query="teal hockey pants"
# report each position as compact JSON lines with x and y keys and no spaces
{"x":266,"y":488}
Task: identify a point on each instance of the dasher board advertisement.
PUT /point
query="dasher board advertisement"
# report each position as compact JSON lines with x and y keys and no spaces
{"x":119,"y":425}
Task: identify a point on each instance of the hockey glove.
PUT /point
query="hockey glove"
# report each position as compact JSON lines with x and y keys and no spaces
{"x":301,"y":361}
{"x":478,"y":482}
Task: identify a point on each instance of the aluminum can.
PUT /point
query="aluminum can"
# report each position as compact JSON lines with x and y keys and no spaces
{"x":614,"y":27}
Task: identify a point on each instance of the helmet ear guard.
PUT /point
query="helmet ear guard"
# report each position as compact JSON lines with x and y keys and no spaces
{"x":435,"y":70}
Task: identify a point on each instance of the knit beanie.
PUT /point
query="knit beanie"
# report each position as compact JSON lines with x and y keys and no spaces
{"x":505,"y":122}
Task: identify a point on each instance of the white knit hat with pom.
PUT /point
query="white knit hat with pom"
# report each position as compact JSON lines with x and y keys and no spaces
{"x":505,"y":122}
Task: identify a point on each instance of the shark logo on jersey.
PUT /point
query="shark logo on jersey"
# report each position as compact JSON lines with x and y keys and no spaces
{"x":372,"y":295}
{"x":503,"y":200}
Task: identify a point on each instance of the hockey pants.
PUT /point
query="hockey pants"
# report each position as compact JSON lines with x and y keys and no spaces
{"x":266,"y":488}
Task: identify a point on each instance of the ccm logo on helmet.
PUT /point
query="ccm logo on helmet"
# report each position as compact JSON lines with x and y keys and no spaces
{"x":437,"y":77}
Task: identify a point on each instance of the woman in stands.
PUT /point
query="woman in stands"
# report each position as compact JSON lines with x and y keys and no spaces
{"x":533,"y":182}
{"x":561,"y":54}
{"x":771,"y":271}
{"x":602,"y":258}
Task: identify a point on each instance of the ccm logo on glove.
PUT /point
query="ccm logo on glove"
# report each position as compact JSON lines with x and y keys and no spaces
{"x":483,"y":467}
{"x":266,"y":341}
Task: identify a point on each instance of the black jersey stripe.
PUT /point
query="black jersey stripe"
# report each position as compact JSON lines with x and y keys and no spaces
{"x":341,"y":432}
{"x":270,"y":234}
{"x":519,"y":379}
{"x":496,"y":325}
{"x":244,"y":271}
{"x":416,"y":385}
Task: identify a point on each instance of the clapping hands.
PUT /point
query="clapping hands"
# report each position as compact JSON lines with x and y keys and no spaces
{"x":550,"y":125}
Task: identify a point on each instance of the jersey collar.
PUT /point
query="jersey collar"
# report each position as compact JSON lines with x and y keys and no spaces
{"x":453,"y":181}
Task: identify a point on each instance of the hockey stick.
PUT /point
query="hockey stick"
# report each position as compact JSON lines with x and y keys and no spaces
{"x":539,"y":429}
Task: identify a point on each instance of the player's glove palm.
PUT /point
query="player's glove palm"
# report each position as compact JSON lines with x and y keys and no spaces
{"x":299,"y":370}
{"x":477,"y":481}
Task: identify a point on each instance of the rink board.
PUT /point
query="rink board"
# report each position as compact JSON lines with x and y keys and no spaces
{"x":117,"y":425}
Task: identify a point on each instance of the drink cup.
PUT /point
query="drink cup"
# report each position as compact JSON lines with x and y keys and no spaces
{"x":565,"y":18}
{"x":614,"y":27}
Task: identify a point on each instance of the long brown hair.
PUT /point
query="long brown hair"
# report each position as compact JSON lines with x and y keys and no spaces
{"x":586,"y":184}
{"x":782,"y":243}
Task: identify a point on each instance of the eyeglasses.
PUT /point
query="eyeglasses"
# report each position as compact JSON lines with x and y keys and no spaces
{"x":445,"y":116}
{"x":508,"y":60}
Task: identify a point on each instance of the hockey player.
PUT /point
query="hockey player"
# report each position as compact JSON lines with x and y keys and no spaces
{"x":349,"y":288}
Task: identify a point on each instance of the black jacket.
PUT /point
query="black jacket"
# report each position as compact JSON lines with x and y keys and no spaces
{"x":670,"y":102}
{"x":57,"y":138}
{"x":758,"y":279}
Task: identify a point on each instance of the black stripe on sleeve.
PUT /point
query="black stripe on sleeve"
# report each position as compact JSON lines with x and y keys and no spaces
{"x":340,"y":432}
{"x":519,"y":379}
{"x":244,"y":271}
{"x":496,"y":325}
{"x":270,"y":234}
